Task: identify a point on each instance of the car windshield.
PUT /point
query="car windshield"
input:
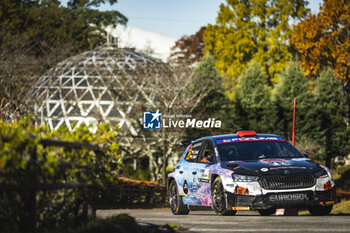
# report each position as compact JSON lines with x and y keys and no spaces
{"x":254,"y":150}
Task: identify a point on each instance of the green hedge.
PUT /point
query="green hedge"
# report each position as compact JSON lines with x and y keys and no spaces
{"x":43,"y":186}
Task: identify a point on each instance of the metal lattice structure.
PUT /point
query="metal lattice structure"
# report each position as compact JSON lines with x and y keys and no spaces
{"x":105,"y":84}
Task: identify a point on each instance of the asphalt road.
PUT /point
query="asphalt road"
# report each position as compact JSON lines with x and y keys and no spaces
{"x":244,"y":221}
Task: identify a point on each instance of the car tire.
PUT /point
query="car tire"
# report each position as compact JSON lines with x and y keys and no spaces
{"x":175,"y":201}
{"x":320,"y":210}
{"x":219,"y":199}
{"x":267,"y":212}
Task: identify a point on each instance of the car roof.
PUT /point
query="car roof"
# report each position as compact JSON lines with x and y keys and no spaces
{"x":225,"y":136}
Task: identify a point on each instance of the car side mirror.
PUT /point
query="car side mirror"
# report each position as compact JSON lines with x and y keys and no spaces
{"x":305,"y":155}
{"x":185,"y":143}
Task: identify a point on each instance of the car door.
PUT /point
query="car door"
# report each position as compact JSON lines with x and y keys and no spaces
{"x":189,"y":185}
{"x":201,"y":171}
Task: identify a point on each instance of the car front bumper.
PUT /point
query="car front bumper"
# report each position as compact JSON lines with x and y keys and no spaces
{"x":295,"y":199}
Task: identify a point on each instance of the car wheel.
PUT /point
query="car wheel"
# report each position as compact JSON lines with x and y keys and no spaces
{"x":320,"y":210}
{"x":219,"y":199}
{"x":176,"y":205}
{"x":267,"y":212}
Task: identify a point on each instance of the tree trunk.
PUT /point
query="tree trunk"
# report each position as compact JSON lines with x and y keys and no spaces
{"x":165,"y":162}
{"x":328,"y":151}
{"x":329,"y":160}
{"x":151,"y":167}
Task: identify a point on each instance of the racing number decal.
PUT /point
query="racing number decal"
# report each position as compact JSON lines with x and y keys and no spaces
{"x":189,"y":153}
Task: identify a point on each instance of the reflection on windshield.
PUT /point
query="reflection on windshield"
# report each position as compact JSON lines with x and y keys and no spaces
{"x":255,"y":150}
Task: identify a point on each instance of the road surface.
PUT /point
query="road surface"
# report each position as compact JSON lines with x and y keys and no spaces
{"x":244,"y":221}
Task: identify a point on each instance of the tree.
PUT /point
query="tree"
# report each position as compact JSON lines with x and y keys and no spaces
{"x":35,"y":35}
{"x":48,"y":24}
{"x":249,"y":30}
{"x":253,"y":100}
{"x":178,"y":97}
{"x":332,"y":119}
{"x":11,"y":18}
{"x":215,"y":104}
{"x":19,"y":69}
{"x":323,"y":40}
{"x":189,"y":49}
{"x":293,"y":83}
{"x":171,"y":91}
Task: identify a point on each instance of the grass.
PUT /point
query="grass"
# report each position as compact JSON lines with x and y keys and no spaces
{"x":338,"y":209}
{"x":175,"y":227}
{"x":341,"y":208}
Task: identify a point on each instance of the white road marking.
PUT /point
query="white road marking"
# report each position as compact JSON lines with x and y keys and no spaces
{"x":267,"y":230}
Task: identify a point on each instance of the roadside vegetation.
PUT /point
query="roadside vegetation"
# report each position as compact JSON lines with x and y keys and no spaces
{"x":341,"y":208}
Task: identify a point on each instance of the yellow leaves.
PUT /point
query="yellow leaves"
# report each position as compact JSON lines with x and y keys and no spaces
{"x":18,"y":141}
{"x":114,"y":146}
{"x":23,"y":164}
{"x":252,"y":30}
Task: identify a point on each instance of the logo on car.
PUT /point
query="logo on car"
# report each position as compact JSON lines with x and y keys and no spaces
{"x":289,"y":197}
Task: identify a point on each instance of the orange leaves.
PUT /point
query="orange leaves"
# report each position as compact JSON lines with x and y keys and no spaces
{"x":323,"y":40}
{"x":139,"y":182}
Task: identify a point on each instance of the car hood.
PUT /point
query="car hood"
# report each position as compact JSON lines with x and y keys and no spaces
{"x":272,"y":166}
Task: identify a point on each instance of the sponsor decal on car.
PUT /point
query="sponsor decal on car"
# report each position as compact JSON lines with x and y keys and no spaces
{"x":205,"y":175}
{"x":276,"y":162}
{"x":228,"y":140}
{"x":203,"y":180}
{"x":241,"y":191}
{"x":289,"y":197}
{"x":289,"y":167}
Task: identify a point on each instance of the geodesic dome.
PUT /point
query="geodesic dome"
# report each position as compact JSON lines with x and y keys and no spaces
{"x":105,"y":84}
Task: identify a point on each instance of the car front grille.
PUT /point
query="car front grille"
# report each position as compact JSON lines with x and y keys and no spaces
{"x":287,"y":181}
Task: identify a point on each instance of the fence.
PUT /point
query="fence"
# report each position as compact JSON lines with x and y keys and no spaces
{"x":130,"y":194}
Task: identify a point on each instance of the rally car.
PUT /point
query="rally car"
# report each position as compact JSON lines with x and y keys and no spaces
{"x":248,"y":171}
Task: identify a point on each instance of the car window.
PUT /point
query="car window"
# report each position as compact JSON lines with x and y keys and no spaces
{"x":207,"y":153}
{"x":193,"y":152}
{"x":253,"y":150}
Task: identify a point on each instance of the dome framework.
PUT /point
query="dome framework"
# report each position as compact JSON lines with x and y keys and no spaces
{"x":107,"y":84}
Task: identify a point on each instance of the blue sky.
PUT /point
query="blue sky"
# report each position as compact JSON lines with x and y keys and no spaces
{"x":174,"y":18}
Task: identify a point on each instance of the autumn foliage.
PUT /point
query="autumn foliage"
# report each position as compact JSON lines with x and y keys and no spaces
{"x":137,"y":182}
{"x":189,"y":48}
{"x":323,"y":40}
{"x":253,"y":31}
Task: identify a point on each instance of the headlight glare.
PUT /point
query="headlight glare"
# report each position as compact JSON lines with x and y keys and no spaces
{"x":244,"y":178}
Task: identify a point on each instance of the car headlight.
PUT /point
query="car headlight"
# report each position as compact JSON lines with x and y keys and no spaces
{"x":244,"y":178}
{"x":320,"y":173}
